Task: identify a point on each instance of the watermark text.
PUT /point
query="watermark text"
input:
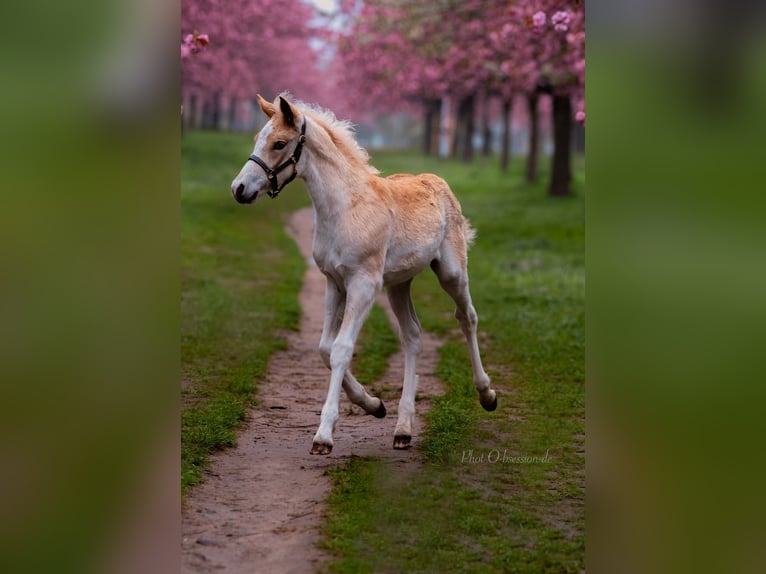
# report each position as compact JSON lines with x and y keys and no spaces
{"x":496,"y":456}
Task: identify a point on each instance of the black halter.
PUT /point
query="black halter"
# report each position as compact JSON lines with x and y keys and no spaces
{"x":291,"y":161}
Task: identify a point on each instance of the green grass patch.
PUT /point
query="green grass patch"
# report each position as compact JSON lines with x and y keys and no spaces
{"x":502,"y":491}
{"x":239,"y":294}
{"x":452,"y":419}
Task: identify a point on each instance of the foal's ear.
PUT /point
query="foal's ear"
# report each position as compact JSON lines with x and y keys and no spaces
{"x":266,"y":107}
{"x":287,"y":111}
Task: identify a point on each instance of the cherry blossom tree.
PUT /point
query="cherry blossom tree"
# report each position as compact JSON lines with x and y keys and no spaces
{"x":563,"y":74}
{"x":417,"y":52}
{"x":260,"y":46}
{"x":385,"y":55}
{"x":397,"y":51}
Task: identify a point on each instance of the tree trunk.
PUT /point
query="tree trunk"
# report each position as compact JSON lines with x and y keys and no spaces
{"x":428,"y":119}
{"x":505,"y":152}
{"x":470,"y":108}
{"x":457,"y":133}
{"x":436,"y":123}
{"x":207,"y":113}
{"x":436,"y":127}
{"x":561,"y":168}
{"x":534,"y":135}
{"x":444,"y":129}
{"x":216,"y":111}
{"x":431,"y":124}
{"x":486,"y":131}
{"x":232,"y":120}
{"x":195,"y":119}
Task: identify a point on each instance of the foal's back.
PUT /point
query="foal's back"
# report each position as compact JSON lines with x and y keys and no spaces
{"x":421,"y":200}
{"x":424,"y":212}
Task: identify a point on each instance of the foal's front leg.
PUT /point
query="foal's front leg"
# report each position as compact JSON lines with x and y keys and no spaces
{"x":360,"y":296}
{"x":334,"y":304}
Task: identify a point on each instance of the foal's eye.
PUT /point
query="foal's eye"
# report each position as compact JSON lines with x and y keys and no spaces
{"x":279,"y":145}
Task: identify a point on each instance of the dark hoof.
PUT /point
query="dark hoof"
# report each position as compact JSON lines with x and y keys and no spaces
{"x":492,"y":406}
{"x":380,"y":413}
{"x":321,"y":448}
{"x":402,"y":441}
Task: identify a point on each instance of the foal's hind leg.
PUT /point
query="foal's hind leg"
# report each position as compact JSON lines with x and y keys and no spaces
{"x":409,"y":333}
{"x":453,"y":277}
{"x":335,"y":301}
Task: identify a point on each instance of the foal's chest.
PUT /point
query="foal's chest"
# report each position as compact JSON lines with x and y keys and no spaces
{"x":343,"y":261}
{"x":330,"y":262}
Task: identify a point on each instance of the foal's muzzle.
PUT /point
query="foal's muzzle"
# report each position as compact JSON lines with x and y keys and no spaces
{"x":239,"y":194}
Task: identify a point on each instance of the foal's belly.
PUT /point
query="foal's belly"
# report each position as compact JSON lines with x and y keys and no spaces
{"x":404,"y":263}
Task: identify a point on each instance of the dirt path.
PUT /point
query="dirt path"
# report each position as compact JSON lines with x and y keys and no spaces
{"x":261,"y":507}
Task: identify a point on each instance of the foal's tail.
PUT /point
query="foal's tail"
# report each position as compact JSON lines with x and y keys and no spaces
{"x":451,"y":208}
{"x":468,"y":232}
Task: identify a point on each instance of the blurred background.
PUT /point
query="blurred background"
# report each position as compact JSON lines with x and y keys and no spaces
{"x":465,"y":79}
{"x":487,"y":95}
{"x":89,"y":228}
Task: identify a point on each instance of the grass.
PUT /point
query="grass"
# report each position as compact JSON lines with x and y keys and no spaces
{"x":240,"y":278}
{"x":501,"y":512}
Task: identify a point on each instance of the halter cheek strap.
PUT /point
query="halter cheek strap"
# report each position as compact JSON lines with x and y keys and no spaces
{"x":271,"y":174}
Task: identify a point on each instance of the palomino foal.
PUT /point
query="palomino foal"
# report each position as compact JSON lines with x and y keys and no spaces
{"x":369,"y":232}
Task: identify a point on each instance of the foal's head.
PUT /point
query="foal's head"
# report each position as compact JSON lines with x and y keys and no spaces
{"x":277,"y":151}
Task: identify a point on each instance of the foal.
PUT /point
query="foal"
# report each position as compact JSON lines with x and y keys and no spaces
{"x":369,"y":232}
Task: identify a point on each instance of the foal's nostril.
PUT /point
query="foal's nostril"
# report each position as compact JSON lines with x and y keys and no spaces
{"x":240,"y":190}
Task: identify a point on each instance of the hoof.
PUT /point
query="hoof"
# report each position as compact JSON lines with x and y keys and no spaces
{"x":380,"y":413}
{"x":491,"y":406}
{"x":402,"y":441}
{"x":321,"y":448}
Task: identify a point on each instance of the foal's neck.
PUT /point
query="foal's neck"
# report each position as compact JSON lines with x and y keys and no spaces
{"x":331,"y":178}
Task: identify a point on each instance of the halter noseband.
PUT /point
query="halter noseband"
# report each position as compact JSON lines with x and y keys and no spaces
{"x":271,"y":174}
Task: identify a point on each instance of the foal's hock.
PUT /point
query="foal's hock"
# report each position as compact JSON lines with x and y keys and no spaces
{"x":369,"y":232}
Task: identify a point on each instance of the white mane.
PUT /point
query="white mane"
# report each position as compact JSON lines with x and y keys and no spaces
{"x":340,"y":131}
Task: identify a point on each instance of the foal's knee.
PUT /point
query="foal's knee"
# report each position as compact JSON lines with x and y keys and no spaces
{"x":340,"y":354}
{"x":324,"y":352}
{"x":467,"y":318}
{"x":451,"y":282}
{"x":410,"y":338}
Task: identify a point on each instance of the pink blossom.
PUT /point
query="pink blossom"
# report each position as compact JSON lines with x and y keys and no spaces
{"x":539,"y":18}
{"x":193,"y":44}
{"x":560,"y":20}
{"x":580,"y":116}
